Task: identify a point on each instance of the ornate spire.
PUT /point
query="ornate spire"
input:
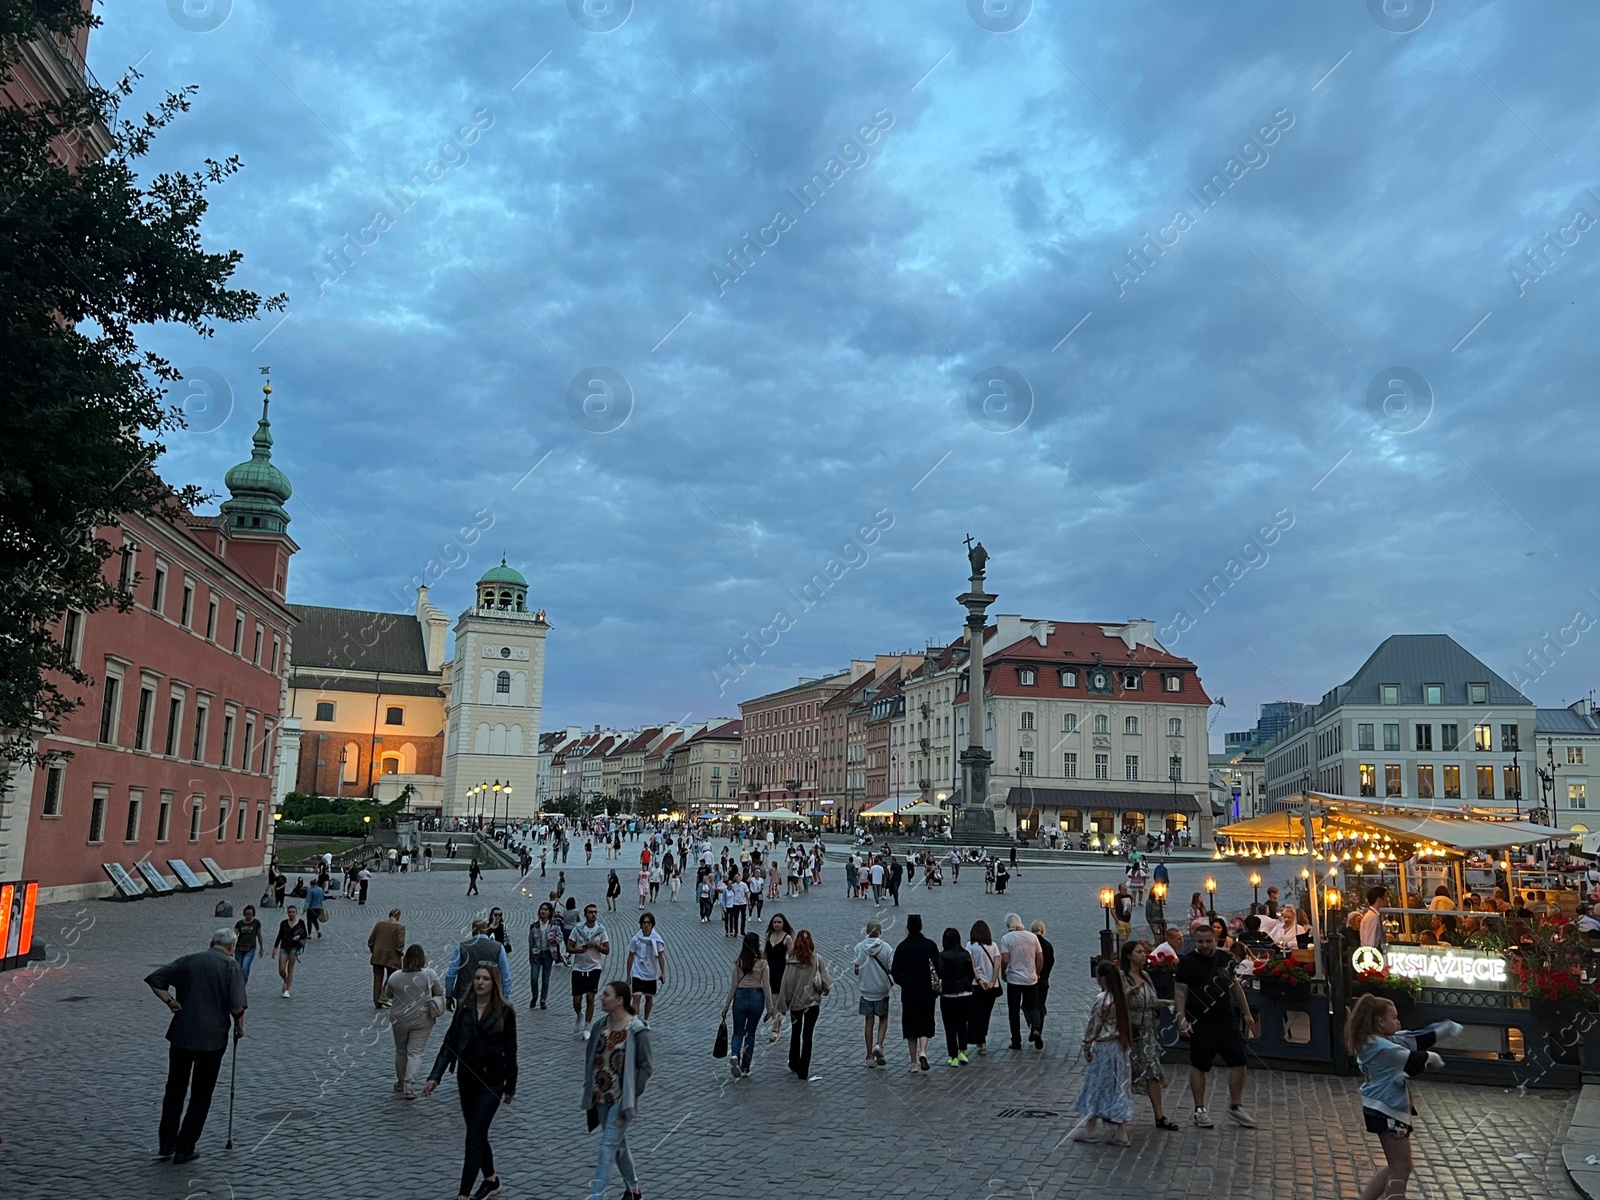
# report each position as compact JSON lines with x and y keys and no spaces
{"x":257,"y":488}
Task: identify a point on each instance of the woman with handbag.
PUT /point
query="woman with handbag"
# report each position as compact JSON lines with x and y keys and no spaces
{"x":749,"y":998}
{"x":805,"y":982}
{"x":415,"y":997}
{"x":616,"y":1069}
{"x":986,"y":972}
{"x":1144,"y":1025}
{"x":481,"y":1047}
{"x":958,"y":986}
{"x":915,"y":970}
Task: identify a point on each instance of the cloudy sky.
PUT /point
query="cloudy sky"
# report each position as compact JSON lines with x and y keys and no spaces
{"x":1112,"y":290}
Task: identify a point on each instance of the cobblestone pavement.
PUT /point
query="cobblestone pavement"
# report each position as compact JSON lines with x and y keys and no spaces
{"x":82,"y":1064}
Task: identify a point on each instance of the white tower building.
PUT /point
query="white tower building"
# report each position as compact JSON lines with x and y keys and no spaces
{"x":496,"y":696}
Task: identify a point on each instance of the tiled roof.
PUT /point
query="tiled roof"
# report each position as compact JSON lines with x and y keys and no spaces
{"x":349,"y":639}
{"x":726,"y":731}
{"x":641,"y":741}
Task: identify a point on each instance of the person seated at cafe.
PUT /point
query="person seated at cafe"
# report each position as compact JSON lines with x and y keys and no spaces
{"x":1587,"y":925}
{"x":1523,"y":909}
{"x":1469,"y":902}
{"x":1447,"y":930}
{"x":1471,"y":925}
{"x":1251,"y":936}
{"x":1272,"y":902}
{"x":1220,"y":928}
{"x":1170,"y":949}
{"x":1441,"y":899}
{"x":1290,"y":934}
{"x":1426,"y":938}
{"x":1502,"y":900}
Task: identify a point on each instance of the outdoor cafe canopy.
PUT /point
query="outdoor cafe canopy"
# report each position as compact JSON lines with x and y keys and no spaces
{"x":1396,"y":833}
{"x":775,"y":814}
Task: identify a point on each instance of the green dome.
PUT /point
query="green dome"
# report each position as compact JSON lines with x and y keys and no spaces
{"x":257,"y":489}
{"x":259,"y":476}
{"x":503,"y":574}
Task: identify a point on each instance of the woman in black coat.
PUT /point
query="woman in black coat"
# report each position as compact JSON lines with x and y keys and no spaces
{"x":958,"y":986}
{"x":481,"y":1048}
{"x":913,"y":968}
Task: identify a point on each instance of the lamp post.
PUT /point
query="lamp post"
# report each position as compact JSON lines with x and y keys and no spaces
{"x":1211,"y":896}
{"x":506,"y":792}
{"x":366,"y":826}
{"x":1331,"y":901}
{"x":1107,"y":898}
{"x":1255,"y":888}
{"x":1159,"y":892}
{"x":494,"y":806}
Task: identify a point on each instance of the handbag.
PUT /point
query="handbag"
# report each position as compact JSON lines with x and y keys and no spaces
{"x":720,"y":1048}
{"x":936,"y":982}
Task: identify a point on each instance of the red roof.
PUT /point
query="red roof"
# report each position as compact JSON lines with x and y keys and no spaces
{"x":641,"y":742}
{"x":1086,"y":644}
{"x":728,"y":730}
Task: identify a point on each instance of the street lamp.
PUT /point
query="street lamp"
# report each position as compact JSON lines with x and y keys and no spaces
{"x":1159,"y":892}
{"x":1255,"y":887}
{"x":1107,"y":898}
{"x":494,"y":805}
{"x":366,"y":828}
{"x":1211,"y":896}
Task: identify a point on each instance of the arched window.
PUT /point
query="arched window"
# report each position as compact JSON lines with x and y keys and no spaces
{"x":505,"y":599}
{"x":1027,"y":720}
{"x":1130,"y":725}
{"x":1069,"y":723}
{"x":1174,"y":727}
{"x":502,"y":683}
{"x":351,"y":760}
{"x":1102,"y":723}
{"x":391,"y":764}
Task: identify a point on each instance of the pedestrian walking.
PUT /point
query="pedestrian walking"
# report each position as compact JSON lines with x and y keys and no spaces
{"x":643,"y":882}
{"x":749,"y":998}
{"x":1021,"y":958}
{"x":914,"y":969}
{"x":497,"y":927}
{"x":1047,"y":964}
{"x":705,"y":893}
{"x":414,"y":996}
{"x":616,"y":1070}
{"x":473,"y":871}
{"x":1210,"y":1002}
{"x":316,"y":897}
{"x":479,"y":950}
{"x":987,"y":971}
{"x":958,"y":986}
{"x":1122,"y":912}
{"x":1388,"y":1058}
{"x":589,"y":944}
{"x":647,"y":965}
{"x":1155,"y":913}
{"x":613,"y":889}
{"x":363,"y":881}
{"x":896,"y":874}
{"x":547,"y":944}
{"x":874,"y":958}
{"x":1144,"y":1021}
{"x":427,"y":859}
{"x":387,"y":943}
{"x":779,"y":942}
{"x":988,"y":873}
{"x":481,"y":1048}
{"x":1107,"y":1092}
{"x":289,"y":944}
{"x":955,"y":867}
{"x":249,"y":944}
{"x":204,"y":992}
{"x":805,"y":982}
{"x":674,"y":881}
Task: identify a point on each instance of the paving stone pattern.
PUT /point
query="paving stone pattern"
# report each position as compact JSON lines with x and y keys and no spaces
{"x":82,"y":1064}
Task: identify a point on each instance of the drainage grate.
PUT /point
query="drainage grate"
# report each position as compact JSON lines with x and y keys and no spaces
{"x":1029,"y":1114}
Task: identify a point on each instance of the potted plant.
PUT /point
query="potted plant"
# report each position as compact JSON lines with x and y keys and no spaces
{"x":1400,"y":990}
{"x":1284,"y":979}
{"x":1550,"y":970}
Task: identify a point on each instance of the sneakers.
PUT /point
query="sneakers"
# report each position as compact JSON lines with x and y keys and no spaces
{"x":922,"y":1061}
{"x":961,"y":1057}
{"x":955,"y":1062}
{"x":877,"y":1056}
{"x":734,"y":1069}
{"x":1240,"y":1116}
{"x":913,"y":1069}
{"x":285,"y":993}
{"x":983,"y":1048}
{"x":1203,"y":1119}
{"x":489,"y":1187}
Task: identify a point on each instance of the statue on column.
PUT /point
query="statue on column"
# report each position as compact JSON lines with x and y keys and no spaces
{"x":977,"y":556}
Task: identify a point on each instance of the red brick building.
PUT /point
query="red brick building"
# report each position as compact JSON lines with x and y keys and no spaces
{"x":171,"y":753}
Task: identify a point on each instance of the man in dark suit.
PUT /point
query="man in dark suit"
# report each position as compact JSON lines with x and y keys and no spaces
{"x":210,"y":990}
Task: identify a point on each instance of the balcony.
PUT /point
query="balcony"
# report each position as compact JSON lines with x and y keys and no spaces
{"x":511,"y":614}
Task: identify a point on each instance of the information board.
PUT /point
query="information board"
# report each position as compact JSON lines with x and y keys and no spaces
{"x":187,"y":879}
{"x":127,"y":887}
{"x":157,"y":881}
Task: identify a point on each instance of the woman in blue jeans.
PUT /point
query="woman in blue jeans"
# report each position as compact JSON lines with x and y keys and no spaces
{"x":616,"y":1068}
{"x":749,"y":998}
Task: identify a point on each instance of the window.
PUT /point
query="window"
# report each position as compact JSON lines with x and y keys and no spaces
{"x":1477,"y":693}
{"x":186,"y":613}
{"x":238,"y":826}
{"x":1130,"y":681}
{"x":394,"y":716}
{"x":1069,"y":765}
{"x":97,"y":814}
{"x":1392,"y":784}
{"x":1448,"y":737}
{"x":110,"y":702}
{"x":135,"y":802}
{"x":1130,"y":766}
{"x":158,"y":593}
{"x":211,"y":619}
{"x":1485,"y":783}
{"x":72,"y":636}
{"x":1069,"y":723}
{"x":1424,"y":735}
{"x":261,"y":812}
{"x":1513,"y":776}
{"x":238,"y":632}
{"x":1102,"y":723}
{"x":1174,"y":726}
{"x":1027,"y":676}
{"x":222,"y":819}
{"x":125,"y":572}
{"x":1578,"y":794}
{"x":1175,"y":768}
{"x":1025,"y":763}
{"x":1102,"y":766}
{"x":227,"y":739}
{"x":249,"y":741}
{"x":164,"y":817}
{"x":53,"y":778}
{"x":1130,"y":724}
{"x":324,"y":710}
{"x":197,"y":751}
{"x":255,"y":654}
{"x":1424,"y":782}
{"x":1069,"y":679}
{"x":195,"y":805}
{"x":174,"y":722}
{"x":1172,"y":683}
{"x":1364,"y":736}
{"x":1482,"y":737}
{"x":141,"y":726}
{"x":277,"y":645}
{"x":1389,"y":693}
{"x":1391,"y":736}
{"x":1369,"y":779}
{"x":1508,"y":737}
{"x":1433,"y":693}
{"x":502,"y":683}
{"x":1452,"y":781}
{"x":1575,"y":755}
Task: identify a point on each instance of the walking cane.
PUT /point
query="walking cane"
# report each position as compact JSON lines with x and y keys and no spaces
{"x":233,"y":1076}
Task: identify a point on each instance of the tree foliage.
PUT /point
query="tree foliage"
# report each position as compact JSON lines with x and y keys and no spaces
{"x":89,"y":252}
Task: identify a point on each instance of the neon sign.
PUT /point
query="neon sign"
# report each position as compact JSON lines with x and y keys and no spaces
{"x":1439,"y":965}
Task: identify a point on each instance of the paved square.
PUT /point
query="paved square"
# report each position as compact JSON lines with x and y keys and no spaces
{"x":82,"y":1064}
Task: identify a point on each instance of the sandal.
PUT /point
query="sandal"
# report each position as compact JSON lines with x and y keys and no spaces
{"x":1166,"y":1123}
{"x":1122,"y":1139}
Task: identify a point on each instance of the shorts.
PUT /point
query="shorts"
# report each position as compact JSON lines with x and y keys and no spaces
{"x":643,"y":987}
{"x":1206,"y":1044}
{"x":285,"y":952}
{"x":1378,"y":1122}
{"x":873,"y":1008}
{"x":586,"y":983}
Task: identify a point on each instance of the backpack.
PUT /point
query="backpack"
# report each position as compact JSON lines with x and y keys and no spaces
{"x":476,"y":952}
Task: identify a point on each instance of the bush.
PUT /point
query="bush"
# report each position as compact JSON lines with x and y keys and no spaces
{"x":328,"y":824}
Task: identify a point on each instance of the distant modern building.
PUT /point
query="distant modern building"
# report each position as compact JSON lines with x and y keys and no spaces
{"x":1272,"y":718}
{"x":1421,"y":721}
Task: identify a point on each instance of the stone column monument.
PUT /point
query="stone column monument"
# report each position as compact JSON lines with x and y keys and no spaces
{"x":976,"y":815}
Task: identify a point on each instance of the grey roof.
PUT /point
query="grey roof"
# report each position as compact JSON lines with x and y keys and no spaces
{"x":348,"y":639}
{"x":1565,"y":720}
{"x":1413,"y":659}
{"x":311,"y":681}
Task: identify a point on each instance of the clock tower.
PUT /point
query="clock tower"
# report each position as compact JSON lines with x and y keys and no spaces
{"x":496,"y":697}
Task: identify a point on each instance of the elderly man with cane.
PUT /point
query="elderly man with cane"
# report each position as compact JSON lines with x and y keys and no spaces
{"x":210,"y":991}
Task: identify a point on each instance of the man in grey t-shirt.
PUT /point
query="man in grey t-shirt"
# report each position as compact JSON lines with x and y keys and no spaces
{"x":874,"y":957}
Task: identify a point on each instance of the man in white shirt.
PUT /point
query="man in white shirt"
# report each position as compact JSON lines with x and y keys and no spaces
{"x":1022,"y":958}
{"x":647,"y":963}
{"x":1167,"y":952}
{"x":589,"y":944}
{"x":877,"y":881}
{"x":1371,"y":918}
